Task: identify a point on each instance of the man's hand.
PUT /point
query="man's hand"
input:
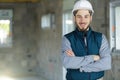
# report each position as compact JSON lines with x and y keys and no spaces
{"x":96,"y":57}
{"x":69,"y":53}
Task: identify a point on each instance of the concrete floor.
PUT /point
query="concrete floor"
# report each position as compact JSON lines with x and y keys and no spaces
{"x":23,"y":78}
{"x":31,"y":78}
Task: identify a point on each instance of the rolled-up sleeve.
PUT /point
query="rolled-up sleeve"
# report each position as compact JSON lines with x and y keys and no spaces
{"x":73,"y":62}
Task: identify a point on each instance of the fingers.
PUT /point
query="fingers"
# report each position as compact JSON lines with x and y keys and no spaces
{"x":96,"y":57}
{"x":70,"y":53}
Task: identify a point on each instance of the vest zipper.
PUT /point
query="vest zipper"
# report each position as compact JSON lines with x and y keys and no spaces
{"x":85,"y":40}
{"x":89,"y":77}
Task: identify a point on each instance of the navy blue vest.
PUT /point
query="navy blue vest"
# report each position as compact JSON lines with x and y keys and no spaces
{"x":76,"y":39}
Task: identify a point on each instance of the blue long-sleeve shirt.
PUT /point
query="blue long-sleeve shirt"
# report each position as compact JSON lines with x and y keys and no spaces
{"x":87,"y":63}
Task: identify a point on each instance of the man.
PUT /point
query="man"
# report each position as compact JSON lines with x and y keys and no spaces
{"x":85,"y":53}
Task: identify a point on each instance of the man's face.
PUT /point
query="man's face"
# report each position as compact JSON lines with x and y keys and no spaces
{"x":83,"y":19}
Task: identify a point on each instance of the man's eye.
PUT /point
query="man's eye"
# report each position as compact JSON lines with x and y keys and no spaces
{"x":78,"y":16}
{"x":86,"y":16}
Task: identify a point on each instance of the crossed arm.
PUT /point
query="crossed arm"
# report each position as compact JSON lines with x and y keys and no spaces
{"x":89,"y":63}
{"x":71,"y":53}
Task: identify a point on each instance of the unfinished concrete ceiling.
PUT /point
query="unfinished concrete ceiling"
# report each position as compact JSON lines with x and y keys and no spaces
{"x":18,"y":1}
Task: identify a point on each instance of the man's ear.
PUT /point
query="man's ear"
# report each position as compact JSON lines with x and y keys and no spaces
{"x":91,"y":18}
{"x":73,"y":18}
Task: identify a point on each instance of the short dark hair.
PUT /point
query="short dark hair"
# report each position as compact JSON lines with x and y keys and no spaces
{"x":75,"y":12}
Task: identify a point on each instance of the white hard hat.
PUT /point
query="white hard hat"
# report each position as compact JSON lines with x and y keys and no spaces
{"x":83,"y":4}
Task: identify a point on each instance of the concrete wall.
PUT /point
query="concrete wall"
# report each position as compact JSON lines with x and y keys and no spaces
{"x":68,"y":5}
{"x":35,"y":51}
{"x":100,"y":21}
{"x":49,"y":41}
{"x":20,"y":59}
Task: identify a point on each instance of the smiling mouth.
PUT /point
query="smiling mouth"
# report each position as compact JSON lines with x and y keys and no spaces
{"x":82,"y":24}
